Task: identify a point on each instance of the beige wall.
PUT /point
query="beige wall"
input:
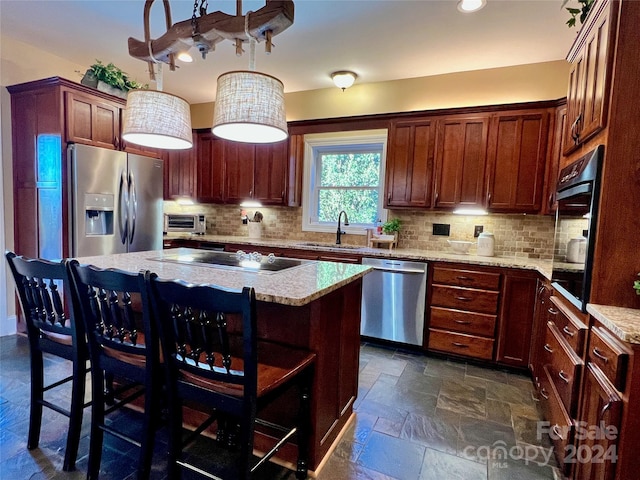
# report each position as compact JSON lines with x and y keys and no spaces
{"x":522,"y":83}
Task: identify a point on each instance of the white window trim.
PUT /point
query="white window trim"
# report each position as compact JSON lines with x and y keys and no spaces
{"x":361,"y":137}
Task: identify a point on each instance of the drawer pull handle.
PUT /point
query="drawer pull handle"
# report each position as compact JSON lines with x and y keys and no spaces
{"x":462,"y":322}
{"x":548,"y":348}
{"x":544,"y":394}
{"x":597,"y":353}
{"x":462,"y":277}
{"x":563,"y":376}
{"x":459,"y":345}
{"x":464,"y":299}
{"x":556,"y":430}
{"x":553,"y":311}
{"x":566,"y":330}
{"x":604,"y":410}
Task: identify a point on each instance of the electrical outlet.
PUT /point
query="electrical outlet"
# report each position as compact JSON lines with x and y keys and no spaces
{"x":477,"y":230}
{"x":441,"y":229}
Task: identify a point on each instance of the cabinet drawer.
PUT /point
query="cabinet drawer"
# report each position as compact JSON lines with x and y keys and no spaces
{"x":570,"y":327}
{"x":466,"y":278}
{"x":461,"y":344}
{"x":464,"y":322}
{"x":482,"y":301}
{"x":564,"y":368}
{"x":608,"y":354}
{"x":561,"y":428}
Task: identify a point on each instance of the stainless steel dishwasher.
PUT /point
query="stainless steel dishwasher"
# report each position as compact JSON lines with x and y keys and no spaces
{"x":393,"y":300}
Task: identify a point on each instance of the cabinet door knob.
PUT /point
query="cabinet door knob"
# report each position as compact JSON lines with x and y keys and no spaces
{"x":563,"y":376}
{"x":548,"y":348}
{"x":552,"y":311}
{"x":566,"y":330}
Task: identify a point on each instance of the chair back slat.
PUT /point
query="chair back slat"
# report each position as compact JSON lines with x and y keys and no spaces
{"x":105,"y":298}
{"x":38,"y":283}
{"x":195,"y":334}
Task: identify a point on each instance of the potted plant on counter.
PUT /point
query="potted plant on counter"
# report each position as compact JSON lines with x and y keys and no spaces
{"x":636,"y":285}
{"x":109,"y":79}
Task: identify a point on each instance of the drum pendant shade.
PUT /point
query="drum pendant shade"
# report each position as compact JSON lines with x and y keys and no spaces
{"x":249,"y":108}
{"x":157,"y":119}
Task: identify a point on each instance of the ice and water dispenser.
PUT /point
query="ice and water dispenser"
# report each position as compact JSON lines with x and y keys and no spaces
{"x":98,"y":214}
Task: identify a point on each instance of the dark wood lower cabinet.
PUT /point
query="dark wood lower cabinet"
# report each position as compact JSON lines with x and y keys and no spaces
{"x":597,"y":432}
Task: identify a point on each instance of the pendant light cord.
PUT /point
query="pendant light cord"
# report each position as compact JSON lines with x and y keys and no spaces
{"x":252,"y":43}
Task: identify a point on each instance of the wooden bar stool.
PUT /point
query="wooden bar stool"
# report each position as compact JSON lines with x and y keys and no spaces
{"x":52,"y":330}
{"x":212,"y":357}
{"x":122,"y":346}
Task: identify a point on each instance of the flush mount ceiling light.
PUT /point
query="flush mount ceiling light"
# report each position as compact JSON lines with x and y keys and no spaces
{"x":469,"y":6}
{"x":343,"y":79}
{"x":250,"y":105}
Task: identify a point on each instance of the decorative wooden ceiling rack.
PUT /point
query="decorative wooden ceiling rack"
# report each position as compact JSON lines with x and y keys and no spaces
{"x":206,"y":30}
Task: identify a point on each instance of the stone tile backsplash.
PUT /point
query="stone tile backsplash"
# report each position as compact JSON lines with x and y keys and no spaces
{"x":524,"y":236}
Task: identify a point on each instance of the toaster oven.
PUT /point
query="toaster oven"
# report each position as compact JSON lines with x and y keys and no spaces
{"x":185,"y":222}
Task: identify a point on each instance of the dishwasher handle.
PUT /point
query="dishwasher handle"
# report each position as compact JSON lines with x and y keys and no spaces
{"x":399,"y":270}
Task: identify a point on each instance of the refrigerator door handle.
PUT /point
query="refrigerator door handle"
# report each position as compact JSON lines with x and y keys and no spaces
{"x":123,"y":207}
{"x":133,"y":207}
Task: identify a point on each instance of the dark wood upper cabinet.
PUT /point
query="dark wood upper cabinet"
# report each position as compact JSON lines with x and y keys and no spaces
{"x":461,"y":154}
{"x":180,"y":174}
{"x":409,"y":172}
{"x":554,"y":156}
{"x":92,"y":121}
{"x":516,"y":161}
{"x":590,"y":76}
{"x":270,"y":173}
{"x":255,"y":172}
{"x":210,"y":168}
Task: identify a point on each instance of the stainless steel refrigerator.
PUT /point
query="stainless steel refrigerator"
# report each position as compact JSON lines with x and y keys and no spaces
{"x":116,"y":201}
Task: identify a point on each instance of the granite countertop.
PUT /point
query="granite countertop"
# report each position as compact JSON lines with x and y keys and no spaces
{"x":622,"y":322}
{"x":295,"y":286}
{"x":541,"y":266}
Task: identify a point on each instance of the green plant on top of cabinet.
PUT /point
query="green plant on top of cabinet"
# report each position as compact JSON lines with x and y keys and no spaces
{"x":461,"y":154}
{"x":516,"y":161}
{"x":410,"y":163}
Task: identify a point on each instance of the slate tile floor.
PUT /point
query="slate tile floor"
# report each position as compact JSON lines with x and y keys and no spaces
{"x":417,"y":418}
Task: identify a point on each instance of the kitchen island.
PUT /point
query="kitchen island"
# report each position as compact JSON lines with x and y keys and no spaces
{"x":313,"y":305}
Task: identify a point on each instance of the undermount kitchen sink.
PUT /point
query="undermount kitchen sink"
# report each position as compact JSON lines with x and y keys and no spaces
{"x":329,"y":245}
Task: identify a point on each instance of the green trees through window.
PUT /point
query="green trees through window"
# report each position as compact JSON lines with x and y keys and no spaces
{"x":348,"y":179}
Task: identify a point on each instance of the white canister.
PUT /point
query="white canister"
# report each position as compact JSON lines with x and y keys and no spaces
{"x":577,"y":250}
{"x":486,"y":244}
{"x":255,"y":229}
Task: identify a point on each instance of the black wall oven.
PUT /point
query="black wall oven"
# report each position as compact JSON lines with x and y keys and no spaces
{"x":578,"y":193}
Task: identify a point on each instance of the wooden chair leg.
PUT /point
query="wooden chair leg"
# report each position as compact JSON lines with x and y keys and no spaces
{"x":175,"y":440}
{"x":97,"y":419}
{"x":37,"y":386}
{"x":75,"y":419}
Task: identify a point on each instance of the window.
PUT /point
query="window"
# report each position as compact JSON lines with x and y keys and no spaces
{"x":344,"y":171}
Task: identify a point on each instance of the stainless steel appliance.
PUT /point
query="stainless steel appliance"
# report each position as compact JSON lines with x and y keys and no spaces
{"x":185,"y":222}
{"x":393,"y":300}
{"x":578,"y":195}
{"x":116,"y":201}
{"x":246,"y":262}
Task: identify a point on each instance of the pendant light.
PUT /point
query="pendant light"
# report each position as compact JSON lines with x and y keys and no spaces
{"x":249,"y":105}
{"x":157,"y":119}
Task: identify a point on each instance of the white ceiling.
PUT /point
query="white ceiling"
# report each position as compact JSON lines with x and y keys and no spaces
{"x":378,"y":39}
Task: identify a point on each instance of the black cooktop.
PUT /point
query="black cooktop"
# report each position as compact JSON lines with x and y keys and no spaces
{"x":250,"y":262}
